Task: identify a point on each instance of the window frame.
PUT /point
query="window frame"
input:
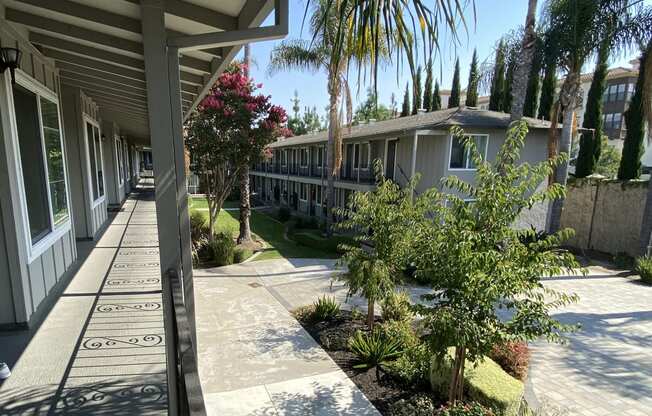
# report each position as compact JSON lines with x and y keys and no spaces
{"x":102,"y":198}
{"x":450,"y":153}
{"x":36,"y":249}
{"x":361,"y":166}
{"x":303,"y":186}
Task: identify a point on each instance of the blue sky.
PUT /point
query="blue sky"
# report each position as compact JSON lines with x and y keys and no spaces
{"x":494,"y":18}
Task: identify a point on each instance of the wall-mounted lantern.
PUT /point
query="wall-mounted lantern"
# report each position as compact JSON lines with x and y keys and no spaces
{"x":10,"y":58}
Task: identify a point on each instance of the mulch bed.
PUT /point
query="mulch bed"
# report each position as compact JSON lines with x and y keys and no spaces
{"x":332,"y":336}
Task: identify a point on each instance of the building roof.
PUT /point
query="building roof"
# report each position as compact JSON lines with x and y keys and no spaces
{"x":614,"y":73}
{"x":443,"y":119}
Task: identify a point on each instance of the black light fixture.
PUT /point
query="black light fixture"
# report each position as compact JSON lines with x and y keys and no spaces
{"x":10,"y":58}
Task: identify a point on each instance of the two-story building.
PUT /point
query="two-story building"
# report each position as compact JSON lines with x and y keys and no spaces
{"x":296,"y":175}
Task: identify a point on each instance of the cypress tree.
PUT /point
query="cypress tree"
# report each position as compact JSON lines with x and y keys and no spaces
{"x":427,"y":89}
{"x":498,"y":79}
{"x":548,"y":90}
{"x":416,"y":94}
{"x":534,"y":82}
{"x":590,"y":143}
{"x":454,"y":100}
{"x":405,"y":109}
{"x":630,"y":162}
{"x":472,"y":88}
{"x":436,"y":98}
{"x":509,"y":81}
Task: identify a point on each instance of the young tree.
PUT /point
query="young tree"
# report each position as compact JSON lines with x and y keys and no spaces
{"x":232,"y":126}
{"x":472,"y":87}
{"x":525,"y":68}
{"x":436,"y":98}
{"x":405,"y":108}
{"x":590,"y":142}
{"x":548,"y":86}
{"x":498,"y":79}
{"x":609,"y":161}
{"x":295,"y":122}
{"x":393,"y":109}
{"x":380,"y":221}
{"x":630,"y":162}
{"x":485,"y":273}
{"x":416,"y":92}
{"x":427,"y":89}
{"x":454,"y":99}
{"x":370,"y":109}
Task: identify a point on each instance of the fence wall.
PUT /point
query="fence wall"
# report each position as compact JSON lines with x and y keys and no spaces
{"x":605,"y":214}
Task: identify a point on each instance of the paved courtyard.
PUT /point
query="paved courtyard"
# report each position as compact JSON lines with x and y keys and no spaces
{"x":605,"y":369}
{"x":254,"y":357}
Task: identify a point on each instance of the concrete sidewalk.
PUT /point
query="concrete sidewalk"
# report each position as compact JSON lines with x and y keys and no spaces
{"x":254,"y":357}
{"x":101,"y":348}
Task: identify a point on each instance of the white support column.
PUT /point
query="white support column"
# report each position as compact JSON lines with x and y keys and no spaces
{"x":165,"y":123}
{"x":413,"y":167}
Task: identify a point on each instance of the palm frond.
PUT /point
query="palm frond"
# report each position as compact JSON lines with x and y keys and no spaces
{"x":297,"y":54}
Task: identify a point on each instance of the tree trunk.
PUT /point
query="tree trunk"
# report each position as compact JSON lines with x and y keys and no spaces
{"x":370,"y":313}
{"x":245,"y":206}
{"x":456,"y":387}
{"x":333,"y":126}
{"x":568,"y":100}
{"x":244,"y":235}
{"x":524,"y":64}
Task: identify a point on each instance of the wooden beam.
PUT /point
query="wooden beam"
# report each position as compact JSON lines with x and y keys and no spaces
{"x":128,"y":93}
{"x":75,"y":70}
{"x":222,"y":39}
{"x":133,"y":101}
{"x":199,"y":14}
{"x":95,"y":64}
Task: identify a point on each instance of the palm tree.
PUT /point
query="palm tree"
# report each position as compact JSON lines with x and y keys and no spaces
{"x":393,"y":23}
{"x":244,"y":236}
{"x":324,"y":53}
{"x":574,"y":31}
{"x":645,"y":240}
{"x":524,"y":64}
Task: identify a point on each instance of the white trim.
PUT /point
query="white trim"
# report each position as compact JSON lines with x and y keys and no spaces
{"x":450,"y":153}
{"x":56,"y":230}
{"x":94,"y":203}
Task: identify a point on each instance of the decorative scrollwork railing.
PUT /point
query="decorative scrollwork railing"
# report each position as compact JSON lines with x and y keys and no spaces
{"x":188,"y":398}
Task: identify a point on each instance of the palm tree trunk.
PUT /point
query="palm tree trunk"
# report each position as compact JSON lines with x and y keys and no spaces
{"x":333,"y":126}
{"x":370,"y":313}
{"x":245,"y":206}
{"x":244,"y":235}
{"x":524,"y":64}
{"x":568,"y":100}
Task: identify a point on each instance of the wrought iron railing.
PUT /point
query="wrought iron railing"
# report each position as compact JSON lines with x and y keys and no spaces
{"x":185,"y":396}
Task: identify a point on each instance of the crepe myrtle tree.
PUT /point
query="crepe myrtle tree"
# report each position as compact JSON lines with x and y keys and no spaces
{"x":485,"y":273}
{"x":231,"y":128}
{"x":380,"y":220}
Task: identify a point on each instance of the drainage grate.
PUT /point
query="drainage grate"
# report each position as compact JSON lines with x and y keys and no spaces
{"x":255,"y":284}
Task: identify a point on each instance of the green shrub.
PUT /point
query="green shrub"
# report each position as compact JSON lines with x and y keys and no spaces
{"x":241,"y":254}
{"x":374,"y":349}
{"x":396,"y":307}
{"x":326,"y":308}
{"x":644,"y":269}
{"x":623,"y":260}
{"x":412,"y":367}
{"x":513,"y":357}
{"x":198,"y":226}
{"x":484,"y":382}
{"x":464,"y":409}
{"x":401,"y":331}
{"x":419,"y":404}
{"x":284,"y":214}
{"x":223,"y":248}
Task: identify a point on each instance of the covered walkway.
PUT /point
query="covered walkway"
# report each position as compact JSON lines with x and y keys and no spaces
{"x":101,"y":348}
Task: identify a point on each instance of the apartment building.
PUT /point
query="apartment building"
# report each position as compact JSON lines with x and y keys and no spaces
{"x":296,"y":174}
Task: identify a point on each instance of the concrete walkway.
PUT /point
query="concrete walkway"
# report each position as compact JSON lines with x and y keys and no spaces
{"x":254,"y":357}
{"x":101,"y":349}
{"x":606,"y":368}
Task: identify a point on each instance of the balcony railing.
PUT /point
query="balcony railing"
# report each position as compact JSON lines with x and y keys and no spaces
{"x":185,"y":396}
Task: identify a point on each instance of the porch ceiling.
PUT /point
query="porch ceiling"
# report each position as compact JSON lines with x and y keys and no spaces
{"x":98,"y":46}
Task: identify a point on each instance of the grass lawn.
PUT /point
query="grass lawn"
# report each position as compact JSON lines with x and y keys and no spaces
{"x":198,"y":202}
{"x":268,"y":229}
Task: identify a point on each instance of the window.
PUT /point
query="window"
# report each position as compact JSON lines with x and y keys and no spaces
{"x":320,"y":156}
{"x":42,"y":162}
{"x":460,"y":157}
{"x":284,"y":157}
{"x":119,"y":160}
{"x":318,"y":195}
{"x":303,"y":192}
{"x":621,"y":91}
{"x":304,"y":157}
{"x":356,"y":156}
{"x":612,"y":121}
{"x":93,"y":143}
{"x":364,"y":155}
